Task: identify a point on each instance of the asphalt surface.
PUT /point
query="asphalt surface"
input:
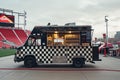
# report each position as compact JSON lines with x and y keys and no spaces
{"x":107,"y":69}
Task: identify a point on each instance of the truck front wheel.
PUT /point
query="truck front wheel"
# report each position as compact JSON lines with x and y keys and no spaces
{"x":29,"y":62}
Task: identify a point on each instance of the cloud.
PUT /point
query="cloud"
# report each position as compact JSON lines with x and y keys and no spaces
{"x":40,"y":12}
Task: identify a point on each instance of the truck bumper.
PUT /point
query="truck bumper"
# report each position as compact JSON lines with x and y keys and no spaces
{"x":16,"y":59}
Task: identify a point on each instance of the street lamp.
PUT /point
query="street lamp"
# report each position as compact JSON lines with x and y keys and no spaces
{"x":106,"y":21}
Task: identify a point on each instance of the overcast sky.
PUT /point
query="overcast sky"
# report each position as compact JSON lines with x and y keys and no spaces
{"x":83,"y":12}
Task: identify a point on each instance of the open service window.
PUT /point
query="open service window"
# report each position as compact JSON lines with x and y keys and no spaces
{"x":72,"y":39}
{"x":63,"y":39}
{"x":55,"y":39}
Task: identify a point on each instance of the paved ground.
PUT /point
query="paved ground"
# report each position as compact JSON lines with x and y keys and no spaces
{"x":107,"y":69}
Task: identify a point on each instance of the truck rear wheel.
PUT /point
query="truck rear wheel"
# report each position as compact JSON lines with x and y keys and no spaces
{"x":29,"y":62}
{"x":78,"y":62}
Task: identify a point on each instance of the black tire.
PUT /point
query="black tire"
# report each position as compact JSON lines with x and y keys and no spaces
{"x":78,"y":62}
{"x":29,"y":62}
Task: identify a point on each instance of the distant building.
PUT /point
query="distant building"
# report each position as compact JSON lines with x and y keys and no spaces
{"x":111,"y":40}
{"x":117,"y":36}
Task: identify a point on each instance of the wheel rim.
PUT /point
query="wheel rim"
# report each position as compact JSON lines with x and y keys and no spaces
{"x":29,"y":63}
{"x":77,"y":63}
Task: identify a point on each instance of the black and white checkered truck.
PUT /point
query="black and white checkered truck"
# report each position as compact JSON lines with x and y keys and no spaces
{"x":58,"y":45}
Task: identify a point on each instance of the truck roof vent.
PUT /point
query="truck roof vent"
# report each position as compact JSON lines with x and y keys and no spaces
{"x":70,"y":24}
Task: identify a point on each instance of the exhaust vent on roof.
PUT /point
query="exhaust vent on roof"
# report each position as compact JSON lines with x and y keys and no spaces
{"x":70,"y":24}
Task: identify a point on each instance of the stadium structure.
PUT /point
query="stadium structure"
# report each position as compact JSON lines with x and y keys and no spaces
{"x":11,"y":33}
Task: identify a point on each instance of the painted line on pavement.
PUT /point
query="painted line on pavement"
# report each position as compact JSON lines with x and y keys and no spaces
{"x":61,"y":69}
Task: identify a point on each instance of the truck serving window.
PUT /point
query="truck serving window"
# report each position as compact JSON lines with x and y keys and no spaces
{"x":55,"y":39}
{"x":72,"y":39}
{"x":63,"y":39}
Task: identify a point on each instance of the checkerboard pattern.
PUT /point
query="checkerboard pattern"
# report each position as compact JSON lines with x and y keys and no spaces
{"x":45,"y":54}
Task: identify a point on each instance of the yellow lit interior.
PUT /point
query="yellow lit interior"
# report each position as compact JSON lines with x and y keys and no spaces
{"x":58,"y":39}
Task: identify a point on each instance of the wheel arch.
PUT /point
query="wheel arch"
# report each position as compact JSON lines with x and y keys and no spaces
{"x":29,"y":56}
{"x":30,"y":61}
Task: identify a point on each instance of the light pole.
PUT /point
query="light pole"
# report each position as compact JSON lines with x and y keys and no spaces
{"x":106,"y":21}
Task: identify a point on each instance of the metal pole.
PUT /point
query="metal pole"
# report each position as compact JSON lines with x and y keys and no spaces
{"x":24,"y":19}
{"x":106,"y":20}
{"x":18,"y":20}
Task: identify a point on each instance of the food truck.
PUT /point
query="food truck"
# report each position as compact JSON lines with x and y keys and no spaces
{"x":58,"y":45}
